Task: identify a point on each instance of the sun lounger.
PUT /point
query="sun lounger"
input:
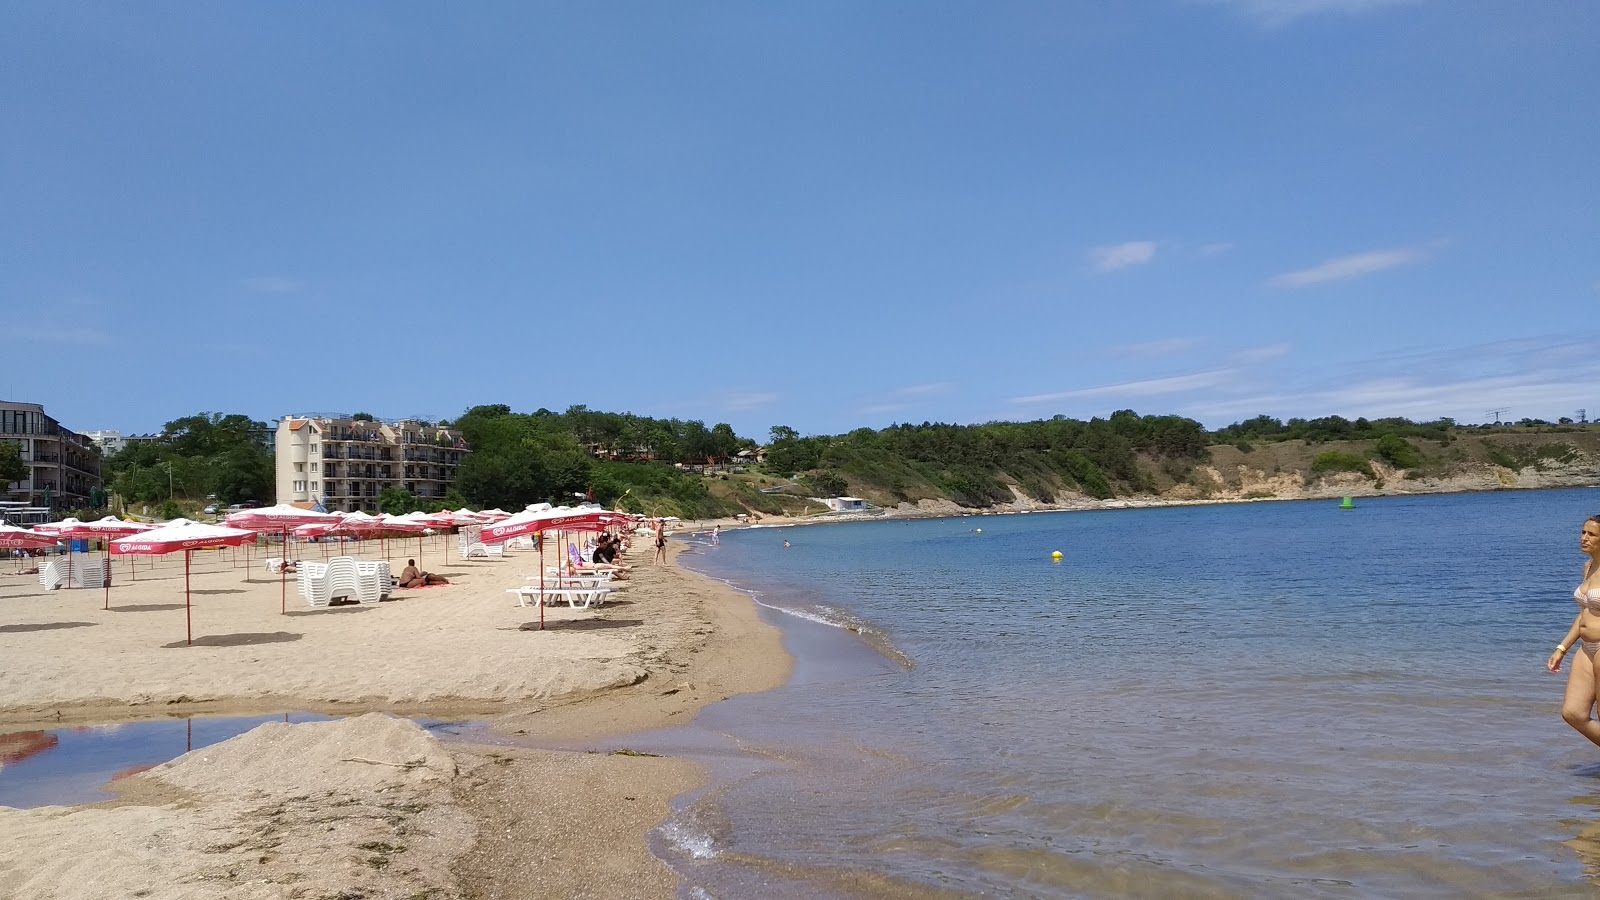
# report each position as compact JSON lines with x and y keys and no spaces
{"x":488,"y":551}
{"x":576,"y":597}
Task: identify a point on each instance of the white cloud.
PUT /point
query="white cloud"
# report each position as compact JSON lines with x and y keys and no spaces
{"x":272,"y":285}
{"x":1278,"y":13}
{"x":1120,"y":256}
{"x":1256,"y":355}
{"x":1347,"y":267}
{"x":1157,"y":349}
{"x":1206,"y":251}
{"x":1148,"y":388}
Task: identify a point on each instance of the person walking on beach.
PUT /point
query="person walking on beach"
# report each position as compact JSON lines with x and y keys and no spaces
{"x":1579,"y":702}
{"x":661,"y":542}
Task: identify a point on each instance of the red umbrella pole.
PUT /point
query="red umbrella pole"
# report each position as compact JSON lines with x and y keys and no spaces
{"x":283,"y":582}
{"x":541,"y":581}
{"x":188,"y":614}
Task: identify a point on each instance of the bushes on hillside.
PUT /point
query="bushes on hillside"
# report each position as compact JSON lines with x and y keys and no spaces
{"x":1335,"y":461}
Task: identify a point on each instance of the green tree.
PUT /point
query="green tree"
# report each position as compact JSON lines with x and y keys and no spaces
{"x":12,"y":468}
{"x":397,"y":501}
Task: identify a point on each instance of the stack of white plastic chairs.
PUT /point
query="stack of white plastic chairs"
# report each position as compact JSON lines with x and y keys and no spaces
{"x":373,"y":580}
{"x":81,"y":573}
{"x":343,"y":576}
{"x":311,"y":580}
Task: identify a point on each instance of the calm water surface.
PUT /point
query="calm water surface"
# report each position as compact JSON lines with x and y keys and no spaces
{"x":1255,"y":700}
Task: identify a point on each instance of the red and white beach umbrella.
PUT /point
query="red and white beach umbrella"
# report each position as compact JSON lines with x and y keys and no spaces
{"x":14,"y":538}
{"x":184,"y":535}
{"x":281,"y":519}
{"x":104,"y":529}
{"x":563,"y":518}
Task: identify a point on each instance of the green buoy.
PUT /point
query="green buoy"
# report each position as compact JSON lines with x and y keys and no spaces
{"x":1348,"y":504}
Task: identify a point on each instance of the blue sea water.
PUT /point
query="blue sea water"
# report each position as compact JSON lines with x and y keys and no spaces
{"x":1254,"y":700}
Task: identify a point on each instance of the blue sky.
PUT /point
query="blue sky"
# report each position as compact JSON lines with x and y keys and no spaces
{"x":825,"y":215}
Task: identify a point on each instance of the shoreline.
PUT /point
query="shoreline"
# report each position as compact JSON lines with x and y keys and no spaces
{"x":947,"y":509}
{"x":691,"y":641}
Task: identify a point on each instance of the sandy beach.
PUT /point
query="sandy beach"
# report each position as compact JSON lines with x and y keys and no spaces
{"x":318,"y":809}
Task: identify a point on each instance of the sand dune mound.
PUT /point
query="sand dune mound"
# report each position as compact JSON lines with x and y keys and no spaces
{"x":369,"y":752}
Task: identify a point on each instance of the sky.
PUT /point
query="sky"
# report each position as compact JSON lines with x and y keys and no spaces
{"x":828,"y":215}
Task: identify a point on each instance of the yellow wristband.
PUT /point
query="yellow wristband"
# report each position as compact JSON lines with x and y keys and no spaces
{"x":1561,"y":648}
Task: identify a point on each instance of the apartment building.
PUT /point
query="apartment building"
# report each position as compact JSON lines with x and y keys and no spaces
{"x":63,"y":465}
{"x":346,"y":464}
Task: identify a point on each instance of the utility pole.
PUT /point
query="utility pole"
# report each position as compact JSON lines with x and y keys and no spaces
{"x":169,"y":479}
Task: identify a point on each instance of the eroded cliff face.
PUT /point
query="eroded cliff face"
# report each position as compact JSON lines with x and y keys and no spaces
{"x":1243,"y":482}
{"x":1282,"y":471}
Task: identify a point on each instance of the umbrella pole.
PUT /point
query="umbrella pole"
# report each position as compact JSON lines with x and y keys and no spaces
{"x":283,"y":581}
{"x":188,"y":612}
{"x":108,"y":575}
{"x":541,"y":581}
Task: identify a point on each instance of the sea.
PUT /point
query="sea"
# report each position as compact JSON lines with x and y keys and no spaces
{"x":1271,"y":699}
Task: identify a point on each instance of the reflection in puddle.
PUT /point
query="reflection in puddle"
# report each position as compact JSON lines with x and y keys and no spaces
{"x":70,"y":766}
{"x":73,"y":765}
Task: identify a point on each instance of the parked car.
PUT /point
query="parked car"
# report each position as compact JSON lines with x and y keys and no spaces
{"x":211,"y":510}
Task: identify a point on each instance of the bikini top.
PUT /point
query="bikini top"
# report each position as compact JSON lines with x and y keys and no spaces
{"x":1589,"y":600}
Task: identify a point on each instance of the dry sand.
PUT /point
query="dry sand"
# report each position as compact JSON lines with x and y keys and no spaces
{"x":370,"y":806}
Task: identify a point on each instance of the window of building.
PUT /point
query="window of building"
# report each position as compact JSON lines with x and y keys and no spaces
{"x":313,"y":487}
{"x":299,"y":467}
{"x":313,"y":467}
{"x":314,"y":450}
{"x":299,"y":486}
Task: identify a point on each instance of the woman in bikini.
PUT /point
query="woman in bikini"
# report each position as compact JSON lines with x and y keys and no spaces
{"x":1581,"y":680}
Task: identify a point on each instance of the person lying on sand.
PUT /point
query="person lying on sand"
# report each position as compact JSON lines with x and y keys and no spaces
{"x":413,"y":577}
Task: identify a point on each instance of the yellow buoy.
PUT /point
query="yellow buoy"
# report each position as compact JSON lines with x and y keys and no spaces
{"x":978,"y":530}
{"x":1056,"y":555}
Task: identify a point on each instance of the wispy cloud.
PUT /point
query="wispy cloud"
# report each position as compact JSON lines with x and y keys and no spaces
{"x":903,"y":398}
{"x":1158,"y":349}
{"x":1533,"y":377}
{"x":65,"y":334}
{"x":272,"y":285}
{"x":744,"y":401}
{"x":921,"y":390}
{"x":1278,"y":13}
{"x":1206,"y":251}
{"x":1253,"y":356}
{"x":1346,"y":267}
{"x":1120,"y":256}
{"x":1153,"y":387}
